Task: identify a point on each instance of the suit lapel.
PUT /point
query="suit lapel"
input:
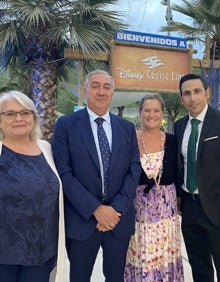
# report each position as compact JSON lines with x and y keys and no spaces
{"x":182,"y":127}
{"x":207,"y":124}
{"x":85,"y":129}
{"x":86,"y":133}
{"x":179,"y":135}
{"x":117,"y":133}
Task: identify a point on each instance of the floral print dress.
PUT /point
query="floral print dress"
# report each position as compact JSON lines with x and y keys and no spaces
{"x":154,"y":253}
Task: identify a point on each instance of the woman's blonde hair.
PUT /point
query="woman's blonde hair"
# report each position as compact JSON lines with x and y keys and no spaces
{"x":152,"y":96}
{"x":28,"y":104}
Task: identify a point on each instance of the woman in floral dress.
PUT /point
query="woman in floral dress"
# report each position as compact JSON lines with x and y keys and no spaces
{"x":154,"y":253}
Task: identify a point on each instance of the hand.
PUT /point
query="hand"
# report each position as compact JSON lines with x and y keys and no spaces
{"x":102,"y":228}
{"x":107,"y":216}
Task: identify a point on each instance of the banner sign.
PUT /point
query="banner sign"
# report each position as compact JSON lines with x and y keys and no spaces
{"x":149,"y":39}
{"x":144,"y":69}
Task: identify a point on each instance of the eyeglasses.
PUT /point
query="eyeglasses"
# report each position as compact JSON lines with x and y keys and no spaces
{"x":11,"y":115}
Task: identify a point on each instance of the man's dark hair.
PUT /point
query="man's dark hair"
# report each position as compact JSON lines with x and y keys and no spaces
{"x":191,"y":76}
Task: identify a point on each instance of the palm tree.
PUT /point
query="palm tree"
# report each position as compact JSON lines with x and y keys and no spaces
{"x":13,"y":78}
{"x":203,"y":20}
{"x":174,"y":108}
{"x":34,"y":33}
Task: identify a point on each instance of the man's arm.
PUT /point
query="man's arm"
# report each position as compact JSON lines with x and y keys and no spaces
{"x":82,"y":200}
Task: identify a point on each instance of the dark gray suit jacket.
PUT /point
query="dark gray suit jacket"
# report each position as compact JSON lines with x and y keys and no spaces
{"x":208,"y":162}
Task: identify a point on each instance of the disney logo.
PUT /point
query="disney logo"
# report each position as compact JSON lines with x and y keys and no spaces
{"x":128,"y":74}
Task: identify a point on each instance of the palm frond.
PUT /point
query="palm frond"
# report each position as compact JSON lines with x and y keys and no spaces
{"x":203,"y":18}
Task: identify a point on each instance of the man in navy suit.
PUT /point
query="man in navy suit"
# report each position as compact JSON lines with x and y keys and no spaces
{"x":96,"y":217}
{"x":201,"y":208}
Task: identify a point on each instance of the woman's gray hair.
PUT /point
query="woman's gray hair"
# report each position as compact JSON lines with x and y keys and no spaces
{"x":152,"y":96}
{"x":28,"y":104}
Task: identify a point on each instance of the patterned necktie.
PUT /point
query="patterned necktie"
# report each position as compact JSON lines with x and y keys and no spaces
{"x":104,"y":150}
{"x":191,"y":157}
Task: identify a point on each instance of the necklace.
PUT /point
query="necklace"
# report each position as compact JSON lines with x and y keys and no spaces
{"x":158,"y":176}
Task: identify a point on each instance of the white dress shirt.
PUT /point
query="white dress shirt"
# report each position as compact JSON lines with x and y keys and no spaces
{"x":108,"y":130}
{"x":186,"y":135}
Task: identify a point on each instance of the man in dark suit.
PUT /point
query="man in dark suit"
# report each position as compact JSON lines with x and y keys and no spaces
{"x":97,"y":214}
{"x":200,"y":207}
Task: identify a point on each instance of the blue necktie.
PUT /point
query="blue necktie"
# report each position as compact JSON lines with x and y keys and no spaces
{"x":191,"y":184}
{"x":104,"y":150}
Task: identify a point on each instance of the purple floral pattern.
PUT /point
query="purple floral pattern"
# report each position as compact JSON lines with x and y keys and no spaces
{"x":154,"y":253}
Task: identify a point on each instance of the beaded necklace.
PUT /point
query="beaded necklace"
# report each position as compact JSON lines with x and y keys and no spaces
{"x":158,"y":177}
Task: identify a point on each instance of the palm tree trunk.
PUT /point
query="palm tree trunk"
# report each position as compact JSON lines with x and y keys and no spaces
{"x":44,"y":96}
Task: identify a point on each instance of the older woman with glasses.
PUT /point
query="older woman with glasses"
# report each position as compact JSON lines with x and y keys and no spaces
{"x":31,"y":208}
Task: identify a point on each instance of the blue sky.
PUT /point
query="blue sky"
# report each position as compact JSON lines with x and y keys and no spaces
{"x":149,"y":15}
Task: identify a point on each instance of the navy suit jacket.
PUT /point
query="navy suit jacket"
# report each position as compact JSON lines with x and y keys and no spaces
{"x":77,"y":162}
{"x":208,"y":162}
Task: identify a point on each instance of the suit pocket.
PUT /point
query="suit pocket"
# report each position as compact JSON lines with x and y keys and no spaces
{"x":211,"y":148}
{"x":210,"y":138}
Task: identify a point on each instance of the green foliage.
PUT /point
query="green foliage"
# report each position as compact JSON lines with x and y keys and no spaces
{"x":174,"y":110}
{"x":203,"y":19}
{"x":36,"y":31}
{"x":173,"y":105}
{"x":65,"y":101}
{"x":34,"y":34}
{"x":12,"y":79}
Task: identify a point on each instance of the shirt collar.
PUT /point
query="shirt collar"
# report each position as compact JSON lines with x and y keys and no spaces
{"x":93,"y":115}
{"x":201,"y":116}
